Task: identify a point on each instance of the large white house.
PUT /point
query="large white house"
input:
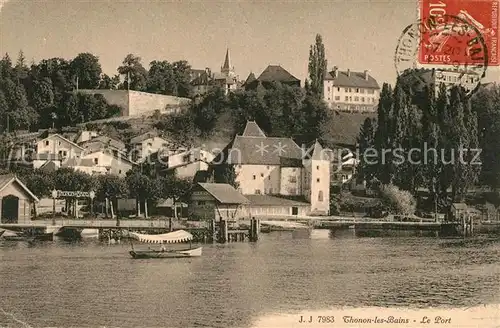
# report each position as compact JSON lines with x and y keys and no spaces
{"x":349,"y":91}
{"x":56,"y":144}
{"x":275,"y":166}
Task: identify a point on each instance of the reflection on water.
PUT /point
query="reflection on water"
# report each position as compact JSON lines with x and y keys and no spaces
{"x":87,"y":284}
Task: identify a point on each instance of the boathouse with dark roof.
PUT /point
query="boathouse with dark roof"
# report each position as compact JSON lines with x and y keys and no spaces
{"x":16,"y":200}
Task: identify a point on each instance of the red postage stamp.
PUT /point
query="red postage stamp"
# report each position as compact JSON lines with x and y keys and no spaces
{"x":449,"y":46}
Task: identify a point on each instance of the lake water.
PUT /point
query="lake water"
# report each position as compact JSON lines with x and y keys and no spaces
{"x":88,"y":284}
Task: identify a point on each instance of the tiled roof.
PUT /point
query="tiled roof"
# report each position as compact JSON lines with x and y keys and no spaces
{"x":46,"y":157}
{"x":227,"y":61}
{"x":354,"y":79}
{"x":224,"y":193}
{"x":259,"y":151}
{"x":62,"y":138}
{"x":103,"y":142}
{"x":276,"y":73}
{"x":145,"y":136}
{"x":267,"y":200}
{"x":202,"y":79}
{"x":71,"y":162}
{"x":253,"y":130}
{"x":49,"y":166}
{"x":251,"y":77}
{"x":460,"y":206}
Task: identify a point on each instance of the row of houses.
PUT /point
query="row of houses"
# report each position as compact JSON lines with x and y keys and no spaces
{"x":346,"y":91}
{"x":274,"y":175}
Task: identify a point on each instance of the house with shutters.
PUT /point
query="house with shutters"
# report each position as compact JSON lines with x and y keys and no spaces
{"x":349,"y":91}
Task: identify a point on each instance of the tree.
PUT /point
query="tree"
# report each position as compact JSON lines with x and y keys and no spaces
{"x":177,"y":189}
{"x":366,"y":142}
{"x":398,"y":201}
{"x":317,"y":66}
{"x":225,"y":173}
{"x":142,"y":188}
{"x":21,"y":70}
{"x":71,"y":180}
{"x":86,"y":68}
{"x":109,"y":188}
{"x":108,"y":83}
{"x":132,"y":69}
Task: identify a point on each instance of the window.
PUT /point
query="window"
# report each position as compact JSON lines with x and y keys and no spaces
{"x":349,"y":89}
{"x":295,"y":210}
{"x":270,"y":190}
{"x":59,"y":143}
{"x":201,"y":202}
{"x":328,"y":89}
{"x":268,"y":177}
{"x":96,"y":161}
{"x":119,"y":171}
{"x":338,"y":89}
{"x":357,"y":90}
{"x":346,"y":90}
{"x":362,"y":99}
{"x":317,"y":167}
{"x":337,"y":97}
{"x":46,"y":142}
{"x":262,"y":175}
{"x":356,"y":98}
{"x":254,"y":177}
{"x":292,"y":179}
{"x":361,"y":90}
{"x":346,"y":98}
{"x":267,"y":167}
{"x":185,"y":158}
{"x":317,"y":180}
{"x":320,"y":196}
{"x":371,"y":91}
{"x":257,"y":191}
{"x":350,"y":98}
{"x":294,"y":169}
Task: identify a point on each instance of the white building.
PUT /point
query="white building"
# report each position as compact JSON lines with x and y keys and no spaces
{"x":146,"y":144}
{"x":101,"y":162}
{"x":351,"y":91}
{"x":56,"y":144}
{"x":278,"y":166}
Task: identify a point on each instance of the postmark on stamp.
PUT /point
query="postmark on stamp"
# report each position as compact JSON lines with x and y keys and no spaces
{"x":451,"y":46}
{"x":481,"y":14}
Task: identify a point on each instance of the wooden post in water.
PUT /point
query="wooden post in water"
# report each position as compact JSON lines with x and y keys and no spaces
{"x":213,"y":235}
{"x":254,"y":229}
{"x":223,"y":231}
{"x":250,"y":231}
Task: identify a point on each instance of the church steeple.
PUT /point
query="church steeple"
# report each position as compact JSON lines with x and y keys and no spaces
{"x":227,"y":68}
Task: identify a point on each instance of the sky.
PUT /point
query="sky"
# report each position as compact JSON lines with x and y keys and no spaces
{"x":358,"y":34}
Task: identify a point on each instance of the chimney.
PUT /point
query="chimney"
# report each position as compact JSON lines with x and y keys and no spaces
{"x":334,"y":72}
{"x":366,"y":74}
{"x":348,"y":72}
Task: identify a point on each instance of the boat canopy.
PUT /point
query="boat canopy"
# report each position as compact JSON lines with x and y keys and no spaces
{"x":178,"y":236}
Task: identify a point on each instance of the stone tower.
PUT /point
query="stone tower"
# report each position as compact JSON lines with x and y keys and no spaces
{"x":317,"y":180}
{"x":227,"y":69}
